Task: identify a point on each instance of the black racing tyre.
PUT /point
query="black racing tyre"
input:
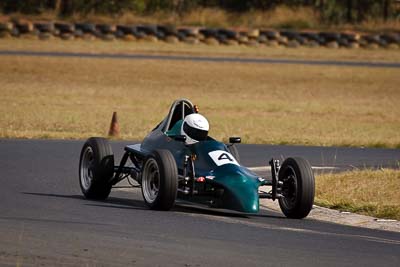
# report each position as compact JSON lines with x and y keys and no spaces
{"x":126,"y":29}
{"x":106,"y":28}
{"x":188,"y":32}
{"x":86,"y":27}
{"x":272,"y":35}
{"x":24,"y":27}
{"x":310,"y":36}
{"x":350,"y":37}
{"x":391,"y":38}
{"x":65,"y":27}
{"x":96,"y":168}
{"x":292,"y":35}
{"x":298,"y":188}
{"x":167,"y":30}
{"x":372,"y":38}
{"x":147,"y":29}
{"x":230,"y":34}
{"x":222,"y":38}
{"x":44,"y":26}
{"x":330,"y":36}
{"x":207,"y":32}
{"x":160,"y":180}
{"x":235,"y":153}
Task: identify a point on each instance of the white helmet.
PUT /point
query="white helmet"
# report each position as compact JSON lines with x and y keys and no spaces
{"x":195,"y":127}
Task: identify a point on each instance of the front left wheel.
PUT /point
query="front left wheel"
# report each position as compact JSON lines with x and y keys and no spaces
{"x":160,"y":180}
{"x":298,"y":188}
{"x":96,"y":168}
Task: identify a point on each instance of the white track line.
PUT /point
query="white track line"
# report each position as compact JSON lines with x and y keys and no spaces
{"x":268,"y":168}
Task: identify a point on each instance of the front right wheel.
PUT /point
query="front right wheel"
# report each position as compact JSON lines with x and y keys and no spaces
{"x":96,"y":168}
{"x":298,"y":188}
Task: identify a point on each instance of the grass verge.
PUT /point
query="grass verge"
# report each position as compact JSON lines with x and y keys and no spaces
{"x":280,"y":104}
{"x":369,"y":192}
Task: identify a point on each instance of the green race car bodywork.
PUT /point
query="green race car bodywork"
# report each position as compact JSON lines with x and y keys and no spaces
{"x":208,"y":172}
{"x":227,"y":184}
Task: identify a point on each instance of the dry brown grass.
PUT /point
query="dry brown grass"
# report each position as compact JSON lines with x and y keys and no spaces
{"x":208,"y":17}
{"x":281,"y":17}
{"x":295,"y":104}
{"x":374,"y":193}
{"x":378,"y":25}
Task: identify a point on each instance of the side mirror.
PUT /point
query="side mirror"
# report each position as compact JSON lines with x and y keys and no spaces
{"x":235,"y":140}
{"x":179,"y":138}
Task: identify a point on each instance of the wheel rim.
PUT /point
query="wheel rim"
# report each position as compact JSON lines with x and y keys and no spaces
{"x":151,"y":180}
{"x":289,"y":188}
{"x":86,"y":171}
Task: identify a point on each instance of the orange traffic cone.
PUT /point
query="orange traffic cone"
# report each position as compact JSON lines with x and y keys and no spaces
{"x":114,"y":126}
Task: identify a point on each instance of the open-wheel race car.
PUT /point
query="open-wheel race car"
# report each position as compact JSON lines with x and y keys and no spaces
{"x":178,"y":160}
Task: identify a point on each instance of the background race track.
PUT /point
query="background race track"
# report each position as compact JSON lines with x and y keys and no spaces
{"x":204,"y":59}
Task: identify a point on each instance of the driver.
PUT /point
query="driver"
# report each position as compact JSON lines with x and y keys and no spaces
{"x":195,"y":127}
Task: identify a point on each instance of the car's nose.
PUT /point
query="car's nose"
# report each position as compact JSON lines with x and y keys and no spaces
{"x":240,"y":188}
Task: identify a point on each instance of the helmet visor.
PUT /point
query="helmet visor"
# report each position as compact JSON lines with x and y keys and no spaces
{"x":194,"y":133}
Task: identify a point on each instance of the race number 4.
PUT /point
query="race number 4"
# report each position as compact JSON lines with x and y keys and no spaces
{"x":221,"y":157}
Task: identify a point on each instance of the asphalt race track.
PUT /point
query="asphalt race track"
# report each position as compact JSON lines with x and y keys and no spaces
{"x":204,"y":59}
{"x":45,"y":221}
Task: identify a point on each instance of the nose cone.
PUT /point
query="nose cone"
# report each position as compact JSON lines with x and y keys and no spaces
{"x":240,"y":188}
{"x":242,"y":197}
